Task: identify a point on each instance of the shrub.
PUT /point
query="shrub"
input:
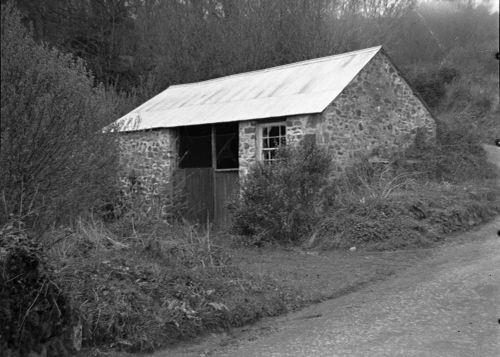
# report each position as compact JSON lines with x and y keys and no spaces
{"x":281,"y":201}
{"x":55,"y":161}
{"x":36,"y":314}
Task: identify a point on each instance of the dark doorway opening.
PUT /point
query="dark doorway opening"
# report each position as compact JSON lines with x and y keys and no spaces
{"x":196,"y":151}
{"x":227,"y":145}
{"x":195,"y":146}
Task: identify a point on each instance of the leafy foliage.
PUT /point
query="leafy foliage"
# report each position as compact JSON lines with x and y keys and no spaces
{"x":281,"y":201}
{"x":55,"y":163}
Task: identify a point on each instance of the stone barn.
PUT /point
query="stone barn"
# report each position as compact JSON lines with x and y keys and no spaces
{"x":355,"y":104}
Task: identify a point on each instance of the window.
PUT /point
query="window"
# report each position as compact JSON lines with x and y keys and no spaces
{"x":272,"y":137}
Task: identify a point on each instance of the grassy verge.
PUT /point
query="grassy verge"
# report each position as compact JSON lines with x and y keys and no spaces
{"x":322,"y":275}
{"x":146,"y":291}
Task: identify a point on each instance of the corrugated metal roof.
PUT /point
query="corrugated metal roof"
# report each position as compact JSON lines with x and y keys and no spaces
{"x":298,"y":88}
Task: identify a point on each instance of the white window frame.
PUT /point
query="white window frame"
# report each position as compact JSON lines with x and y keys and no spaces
{"x":260,"y":139}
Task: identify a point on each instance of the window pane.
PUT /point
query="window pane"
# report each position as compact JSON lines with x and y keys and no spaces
{"x":273,"y":136}
{"x":266,"y":155}
{"x":274,"y":131}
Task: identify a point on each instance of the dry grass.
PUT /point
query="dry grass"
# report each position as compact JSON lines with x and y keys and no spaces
{"x":147,"y":290}
{"x":405,"y":215}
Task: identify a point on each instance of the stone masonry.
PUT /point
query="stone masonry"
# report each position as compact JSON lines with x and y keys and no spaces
{"x":247,"y":145}
{"x":149,"y":158}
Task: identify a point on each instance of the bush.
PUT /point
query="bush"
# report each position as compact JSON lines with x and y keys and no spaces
{"x":55,"y":161}
{"x":36,"y":314}
{"x":281,"y":201}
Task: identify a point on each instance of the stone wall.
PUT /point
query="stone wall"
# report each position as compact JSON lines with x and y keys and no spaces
{"x":247,"y":145}
{"x":376,"y":113}
{"x":148,"y":157}
{"x":299,"y":127}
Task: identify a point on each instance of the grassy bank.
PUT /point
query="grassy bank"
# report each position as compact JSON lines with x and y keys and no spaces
{"x":144,"y":291}
{"x":409,"y":215}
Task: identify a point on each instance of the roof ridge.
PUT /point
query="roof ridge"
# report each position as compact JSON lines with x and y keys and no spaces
{"x":293,"y":64}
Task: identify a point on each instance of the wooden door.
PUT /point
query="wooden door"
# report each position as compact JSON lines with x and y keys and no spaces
{"x":226,"y":186}
{"x":199,"y":191}
{"x":206,"y":199}
{"x":208,"y":190}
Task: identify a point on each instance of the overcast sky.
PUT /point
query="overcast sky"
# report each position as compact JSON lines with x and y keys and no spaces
{"x":491,"y":4}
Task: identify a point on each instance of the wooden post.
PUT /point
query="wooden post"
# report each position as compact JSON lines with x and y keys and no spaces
{"x":214,"y":167}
